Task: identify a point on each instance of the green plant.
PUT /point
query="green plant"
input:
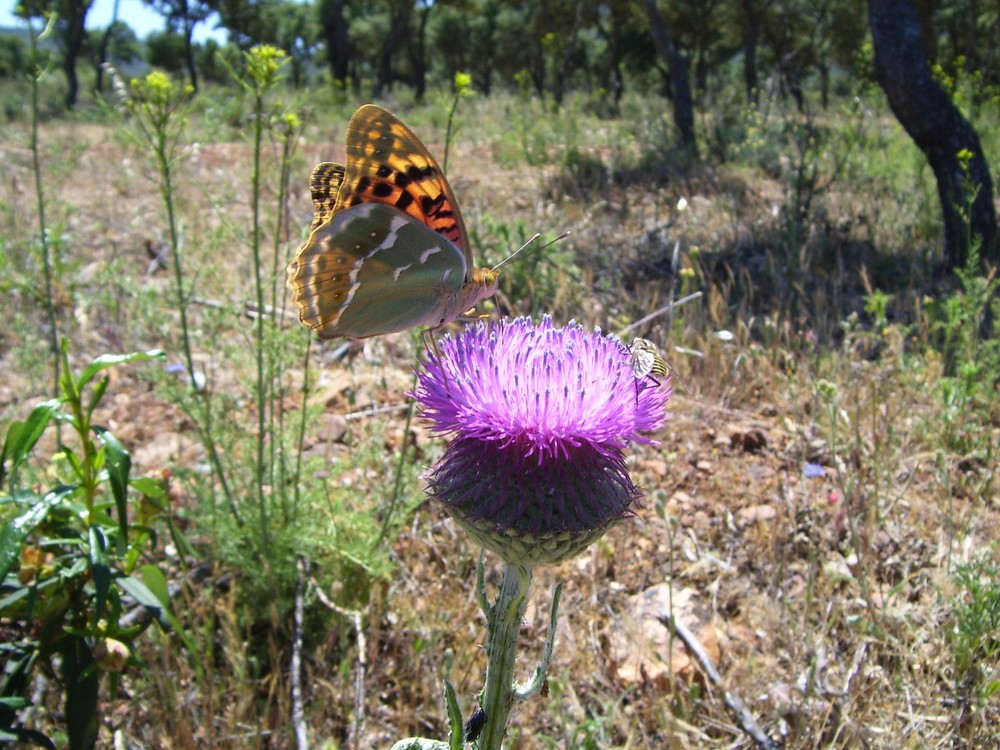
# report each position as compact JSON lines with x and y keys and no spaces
{"x":38,"y":72}
{"x":968,"y":339}
{"x":159,"y":117}
{"x":975,"y":633}
{"x":73,"y":558}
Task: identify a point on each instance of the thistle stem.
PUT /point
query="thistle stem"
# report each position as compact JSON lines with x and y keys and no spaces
{"x":504,"y":622}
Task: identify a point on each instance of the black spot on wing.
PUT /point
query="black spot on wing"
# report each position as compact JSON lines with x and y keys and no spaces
{"x":404,"y":201}
{"x":438,"y":207}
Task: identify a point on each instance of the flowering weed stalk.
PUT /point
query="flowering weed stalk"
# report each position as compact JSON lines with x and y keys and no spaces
{"x":159,"y":111}
{"x":40,"y":71}
{"x":539,"y":419}
{"x":263,"y":71}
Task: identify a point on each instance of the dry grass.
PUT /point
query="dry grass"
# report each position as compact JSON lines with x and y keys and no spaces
{"x":831,"y":597}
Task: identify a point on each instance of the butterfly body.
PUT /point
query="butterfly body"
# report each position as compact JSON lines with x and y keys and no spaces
{"x":388,"y":250}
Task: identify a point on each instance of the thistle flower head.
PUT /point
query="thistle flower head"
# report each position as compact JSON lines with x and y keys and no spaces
{"x":539,"y":418}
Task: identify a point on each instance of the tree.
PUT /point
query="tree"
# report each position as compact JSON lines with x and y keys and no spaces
{"x":13,"y":56}
{"x":753,"y":19}
{"x":116,"y":44}
{"x":165,"y":50}
{"x":102,"y":48}
{"x":937,"y":127}
{"x":680,"y":83}
{"x":71,"y":32}
{"x":417,"y":48}
{"x":297,"y":35}
{"x":335,"y":31}
{"x":181,"y":17}
{"x":400,"y":12}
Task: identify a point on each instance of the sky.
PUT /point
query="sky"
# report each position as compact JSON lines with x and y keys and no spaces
{"x":135,"y":13}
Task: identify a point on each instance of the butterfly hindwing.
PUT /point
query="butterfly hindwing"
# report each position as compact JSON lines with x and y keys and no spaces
{"x":370,"y":270}
{"x":324,"y":184}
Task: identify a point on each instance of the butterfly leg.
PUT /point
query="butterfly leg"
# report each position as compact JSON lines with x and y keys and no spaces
{"x":431,"y":345}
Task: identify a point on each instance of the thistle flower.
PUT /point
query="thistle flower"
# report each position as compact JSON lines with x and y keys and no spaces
{"x":540,"y":418}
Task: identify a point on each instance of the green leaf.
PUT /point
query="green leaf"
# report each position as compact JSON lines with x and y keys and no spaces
{"x":22,"y":436}
{"x":18,"y":660}
{"x":138,"y":590}
{"x":184,"y":547}
{"x":118,"y":463}
{"x":73,"y":460}
{"x":156,"y":603}
{"x":27,"y":737}
{"x":96,"y":395}
{"x":457,"y":737}
{"x":16,"y":530}
{"x":156,"y":582}
{"x":110,"y":360}
{"x":80,"y":678}
{"x":152,"y":489}
{"x":100,"y":569}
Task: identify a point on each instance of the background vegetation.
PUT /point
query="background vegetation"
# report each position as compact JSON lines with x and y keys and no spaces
{"x":825,"y":492}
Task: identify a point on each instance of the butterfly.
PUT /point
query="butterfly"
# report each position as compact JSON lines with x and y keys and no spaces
{"x":387,"y":249}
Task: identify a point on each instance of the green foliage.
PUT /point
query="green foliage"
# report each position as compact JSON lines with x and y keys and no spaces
{"x":13,"y":56}
{"x":539,"y":280}
{"x":968,"y":339}
{"x":166,"y":50}
{"x":975,"y":634}
{"x":70,"y":555}
{"x":262,"y":510}
{"x":123,"y":44}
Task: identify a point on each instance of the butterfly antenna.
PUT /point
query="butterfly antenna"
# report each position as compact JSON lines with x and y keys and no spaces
{"x":520,"y":252}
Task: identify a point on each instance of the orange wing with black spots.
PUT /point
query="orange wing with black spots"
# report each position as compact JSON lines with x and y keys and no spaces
{"x":387,"y":163}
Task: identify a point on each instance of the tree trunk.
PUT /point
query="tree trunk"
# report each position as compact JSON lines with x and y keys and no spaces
{"x":751,"y":33}
{"x":611,"y":75}
{"x":337,"y":44}
{"x":102,"y":55}
{"x":680,"y":85}
{"x":562,"y":65}
{"x":399,"y":22}
{"x":483,"y":39}
{"x":937,"y":127}
{"x":74,"y":35}
{"x":418,"y":50}
{"x":189,"y":51}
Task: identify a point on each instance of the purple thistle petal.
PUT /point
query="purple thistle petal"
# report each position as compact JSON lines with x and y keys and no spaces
{"x":558,"y":388}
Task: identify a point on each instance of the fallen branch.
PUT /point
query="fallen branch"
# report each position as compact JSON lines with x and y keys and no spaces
{"x":736,"y":705}
{"x":298,"y":708}
{"x":362,"y":663}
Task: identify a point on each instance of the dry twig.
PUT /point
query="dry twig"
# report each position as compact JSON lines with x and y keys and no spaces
{"x":736,"y":705}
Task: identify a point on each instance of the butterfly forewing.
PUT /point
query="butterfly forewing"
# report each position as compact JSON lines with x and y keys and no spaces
{"x":387,"y":163}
